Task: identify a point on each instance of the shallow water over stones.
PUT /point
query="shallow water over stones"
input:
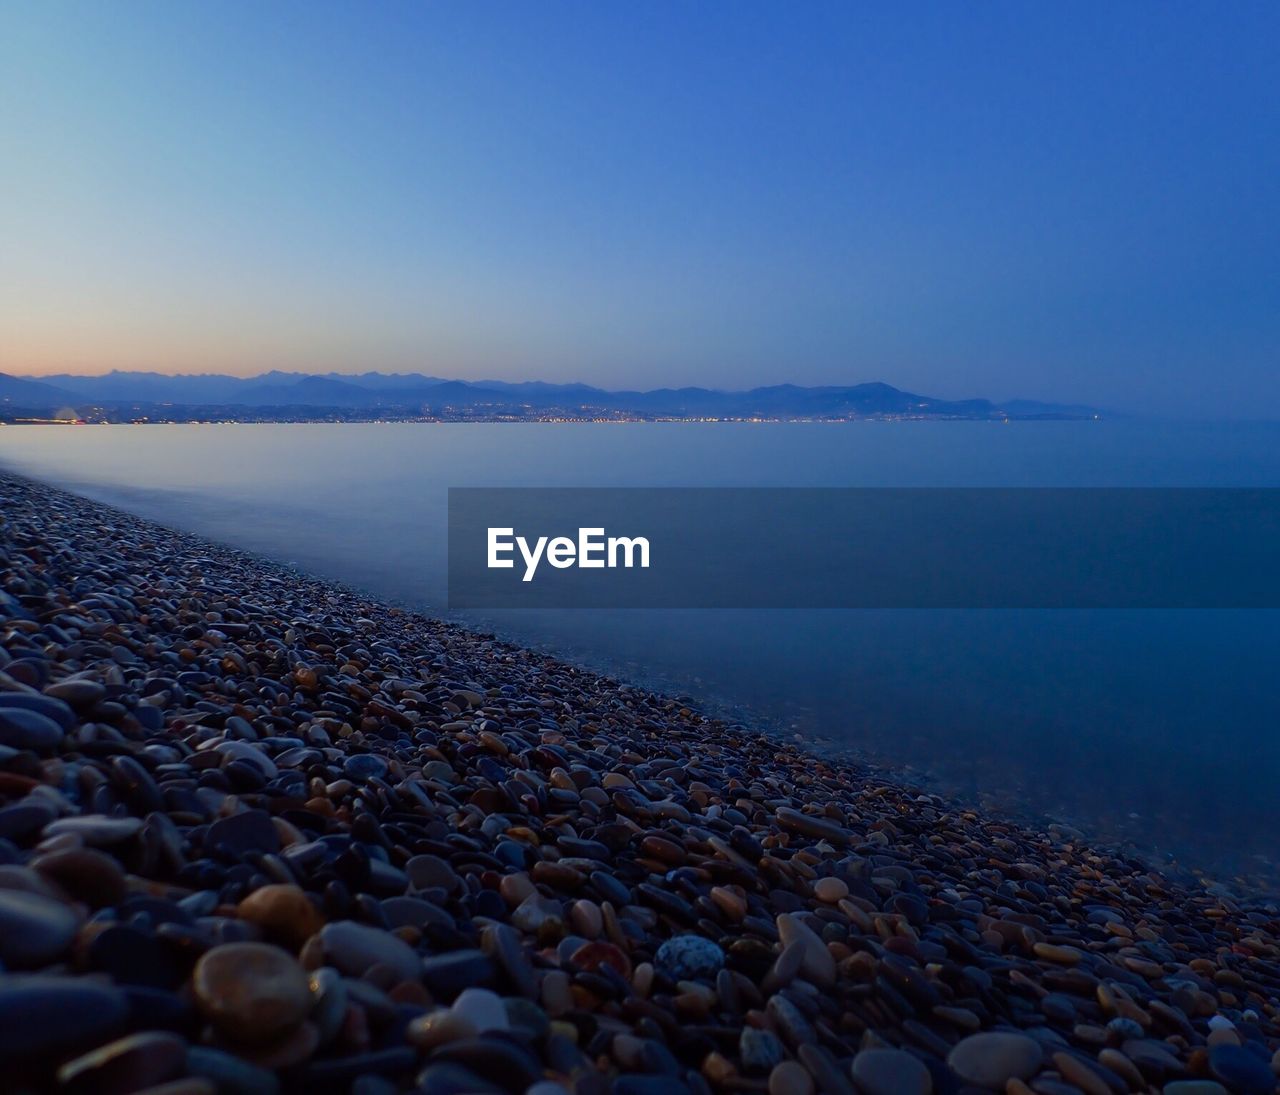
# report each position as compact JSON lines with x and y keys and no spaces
{"x":280,"y":838}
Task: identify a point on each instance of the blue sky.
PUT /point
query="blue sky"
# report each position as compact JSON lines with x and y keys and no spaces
{"x":1074,"y":202}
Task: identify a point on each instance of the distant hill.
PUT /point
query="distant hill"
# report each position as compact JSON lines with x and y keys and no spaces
{"x":150,"y":387}
{"x":291,"y":396}
{"x":20,"y":392}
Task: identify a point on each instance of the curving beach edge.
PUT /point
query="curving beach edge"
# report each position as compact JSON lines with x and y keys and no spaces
{"x":260,"y":834}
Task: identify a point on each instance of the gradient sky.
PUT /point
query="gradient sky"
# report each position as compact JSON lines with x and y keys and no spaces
{"x":1073,"y":202}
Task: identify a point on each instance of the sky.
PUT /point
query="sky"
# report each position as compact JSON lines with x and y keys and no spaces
{"x":1068,"y":202}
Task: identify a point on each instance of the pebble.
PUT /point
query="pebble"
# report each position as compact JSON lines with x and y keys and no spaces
{"x":1124,"y":1028}
{"x":890,"y":1072}
{"x":78,"y":692}
{"x":283,"y":912}
{"x":41,"y":1014}
{"x":1088,"y":1078}
{"x":830,"y":890}
{"x":492,"y":1058}
{"x":817,"y":964}
{"x":34,"y":930}
{"x":828,"y":1074}
{"x":790,"y":1078}
{"x":22,"y":820}
{"x":232,"y":1075}
{"x":993,"y":1058}
{"x":363,"y":766}
{"x":539,"y":915}
{"x":23,"y":729}
{"x":732,"y":905}
{"x":759,"y":1050}
{"x":354,"y":948}
{"x":85,"y":874}
{"x":809,"y":825}
{"x":1241,"y":1070}
{"x":429,"y":871}
{"x":482,"y":1009}
{"x":506,"y":947}
{"x":46,"y":705}
{"x":556,"y":995}
{"x":1066,"y":956}
{"x":689,"y":958}
{"x":586,"y":918}
{"x":247,"y":831}
{"x":253,"y":993}
{"x":96,"y":830}
{"x":438,"y":1028}
{"x":127,"y":1065}
{"x":794,"y":1027}
{"x":447,"y":975}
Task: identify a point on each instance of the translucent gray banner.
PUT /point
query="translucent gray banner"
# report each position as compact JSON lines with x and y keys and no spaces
{"x":863,"y":548}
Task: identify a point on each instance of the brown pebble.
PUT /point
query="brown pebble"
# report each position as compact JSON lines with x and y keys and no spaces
{"x":86,"y":874}
{"x":733,"y":905}
{"x":1065,"y":956}
{"x":1075,"y":1071}
{"x":586,"y":918}
{"x":591,"y":956}
{"x":830,"y":890}
{"x":283,"y":912}
{"x":790,"y":1078}
{"x":252,"y":992}
{"x":1122,"y":1066}
{"x":515,"y":888}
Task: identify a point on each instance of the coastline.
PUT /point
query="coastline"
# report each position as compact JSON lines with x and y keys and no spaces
{"x":449,"y":812}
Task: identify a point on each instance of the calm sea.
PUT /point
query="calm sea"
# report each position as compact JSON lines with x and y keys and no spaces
{"x":1160,"y":728}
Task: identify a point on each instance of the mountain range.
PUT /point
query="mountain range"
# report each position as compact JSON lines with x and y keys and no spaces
{"x":117,"y":396}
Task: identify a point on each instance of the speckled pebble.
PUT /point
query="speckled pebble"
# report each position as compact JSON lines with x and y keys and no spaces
{"x":689,"y":958}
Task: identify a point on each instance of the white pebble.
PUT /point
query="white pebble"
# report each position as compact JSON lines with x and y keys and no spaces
{"x":482,"y":1008}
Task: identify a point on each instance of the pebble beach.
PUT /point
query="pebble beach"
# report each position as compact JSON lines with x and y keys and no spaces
{"x":260,"y":834}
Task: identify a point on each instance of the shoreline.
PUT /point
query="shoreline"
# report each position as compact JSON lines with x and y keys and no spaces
{"x":1257,"y":887}
{"x":1250,"y":882}
{"x":449,"y":811}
